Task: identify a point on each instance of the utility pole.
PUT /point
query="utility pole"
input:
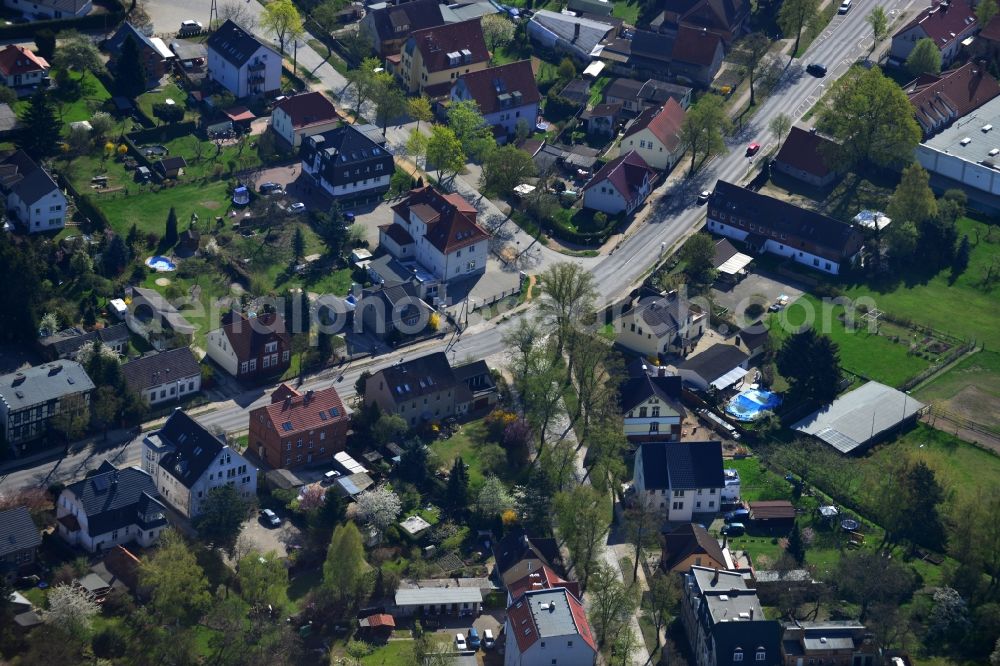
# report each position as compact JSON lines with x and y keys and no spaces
{"x":213,"y":16}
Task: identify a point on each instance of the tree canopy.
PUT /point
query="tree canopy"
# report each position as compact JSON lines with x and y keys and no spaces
{"x":221,"y":518}
{"x":794,"y":16}
{"x":282,"y":20}
{"x":40,"y":135}
{"x":925,"y":58}
{"x":811,"y":363}
{"x":704,"y":127}
{"x":130,"y":75}
{"x":505,"y":168}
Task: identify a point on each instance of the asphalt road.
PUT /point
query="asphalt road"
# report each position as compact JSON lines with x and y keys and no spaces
{"x":846,"y":39}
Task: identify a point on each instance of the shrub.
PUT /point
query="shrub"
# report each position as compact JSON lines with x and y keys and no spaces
{"x":753,"y":311}
{"x":168,"y":113}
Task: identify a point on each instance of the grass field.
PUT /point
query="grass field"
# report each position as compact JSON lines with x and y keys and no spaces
{"x":627,"y":11}
{"x":231,"y":158}
{"x":970,"y":389}
{"x":464,"y":443}
{"x":965,"y":309}
{"x":146,"y":101}
{"x":757,"y":482}
{"x":861,"y":352}
{"x":149,"y":211}
{"x":390,"y":654}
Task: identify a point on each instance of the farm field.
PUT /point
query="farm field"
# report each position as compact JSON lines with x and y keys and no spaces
{"x":970,"y":389}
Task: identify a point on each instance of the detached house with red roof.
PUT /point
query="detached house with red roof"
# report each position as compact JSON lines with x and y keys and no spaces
{"x":940,"y":99}
{"x":251,"y":347}
{"x":20,"y":68}
{"x":621,"y":185}
{"x":805,"y":156}
{"x":548,"y":626}
{"x":440,"y":232}
{"x":507,"y":96}
{"x":654,"y":135}
{"x":301,"y":115}
{"x":947,"y":24}
{"x":432,"y":59}
{"x":299,"y":429}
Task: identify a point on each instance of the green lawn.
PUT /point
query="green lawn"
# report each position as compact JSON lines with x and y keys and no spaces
{"x":597,"y":88}
{"x":971,"y":389}
{"x":464,"y":443}
{"x":147,"y":100}
{"x":757,"y":482}
{"x":149,"y":210}
{"x":230,"y":158}
{"x":861,"y":352}
{"x":964,"y":309}
{"x":390,"y":654}
{"x":94,"y":94}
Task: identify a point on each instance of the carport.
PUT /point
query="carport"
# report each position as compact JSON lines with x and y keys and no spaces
{"x":438,"y":600}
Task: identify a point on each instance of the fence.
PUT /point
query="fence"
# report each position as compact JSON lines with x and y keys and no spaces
{"x":85,"y":204}
{"x":954,"y":354}
{"x":105,"y":21}
{"x":965,"y":422}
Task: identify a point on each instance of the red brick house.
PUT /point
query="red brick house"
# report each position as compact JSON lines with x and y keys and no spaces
{"x":251,"y":347}
{"x":299,"y":429}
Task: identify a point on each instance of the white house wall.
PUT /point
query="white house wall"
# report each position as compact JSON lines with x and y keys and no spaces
{"x":813,"y":261}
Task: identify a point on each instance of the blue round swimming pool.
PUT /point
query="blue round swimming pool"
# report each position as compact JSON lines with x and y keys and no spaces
{"x":748,"y":405}
{"x":161,"y":264}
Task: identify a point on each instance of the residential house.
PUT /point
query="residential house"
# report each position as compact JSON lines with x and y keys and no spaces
{"x":832,"y":643}
{"x":432,"y":59}
{"x":621,"y":186}
{"x":386,"y":270}
{"x":679,"y":479}
{"x":729,"y":19}
{"x":30,"y":398}
{"x":650,"y":403}
{"x":389,"y":311}
{"x":720,"y":366}
{"x":661,"y":323}
{"x":241,"y":63}
{"x":188,"y":242}
{"x":390,"y":26}
{"x":40,"y":10}
{"x":688,"y":545}
{"x":696,"y":56}
{"x":603,"y":119}
{"x":299,"y":429}
{"x":301,"y":115}
{"x":506,"y":95}
{"x":543,"y":578}
{"x":67,"y":342}
{"x":767,"y":224}
{"x":440,"y":232}
{"x":578,"y":37}
{"x":649,"y":54}
{"x":941,"y":99}
{"x":449,"y":597}
{"x":655,"y":135}
{"x":161,"y":376}
{"x":805,"y":155}
{"x":548,"y":627}
{"x":187,"y":462}
{"x":947,"y":24}
{"x":427,"y":388}
{"x":115,"y":506}
{"x":251,"y":347}
{"x":728,"y":262}
{"x":519,"y":555}
{"x":753,"y":339}
{"x":347,"y":164}
{"x":19,"y":542}
{"x":21,"y":68}
{"x":724,"y":621}
{"x":154,"y":318}
{"x":34,"y":201}
{"x":636,"y":96}
{"x":155,"y":56}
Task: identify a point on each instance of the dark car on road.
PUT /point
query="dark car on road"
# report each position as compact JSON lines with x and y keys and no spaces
{"x":737,"y":516}
{"x":734,"y":529}
{"x":269,"y":188}
{"x":816,"y":69}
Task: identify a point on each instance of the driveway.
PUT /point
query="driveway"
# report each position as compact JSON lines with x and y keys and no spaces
{"x":763,"y":288}
{"x":264,"y":539}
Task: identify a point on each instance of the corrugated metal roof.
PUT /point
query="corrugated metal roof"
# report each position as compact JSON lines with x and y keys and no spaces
{"x":438,"y":595}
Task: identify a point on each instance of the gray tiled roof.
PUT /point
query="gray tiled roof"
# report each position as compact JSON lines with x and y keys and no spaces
{"x":38,"y":385}
{"x":156,"y":369}
{"x":233,"y":43}
{"x":714,"y":362}
{"x":18,"y":531}
{"x":194,"y":448}
{"x":682,"y":465}
{"x":114,"y":498}
{"x":68,"y":341}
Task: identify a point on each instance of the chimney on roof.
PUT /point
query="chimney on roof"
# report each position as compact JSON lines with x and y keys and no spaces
{"x":18,"y":379}
{"x":308,"y":398}
{"x":751,"y":613}
{"x":715,"y":578}
{"x":661,"y":371}
{"x":576,"y":31}
{"x":55,"y":369}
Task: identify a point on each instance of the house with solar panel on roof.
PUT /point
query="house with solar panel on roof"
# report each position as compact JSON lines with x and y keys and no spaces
{"x":186,"y":462}
{"x":299,"y":429}
{"x":679,"y":479}
{"x":241,"y":63}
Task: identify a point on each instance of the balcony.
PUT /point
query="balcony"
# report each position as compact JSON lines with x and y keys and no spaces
{"x":257,"y":66}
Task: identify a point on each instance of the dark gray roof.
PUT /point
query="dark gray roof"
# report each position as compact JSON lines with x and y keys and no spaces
{"x":754,"y":335}
{"x":682,"y":465}
{"x":114,"y":498}
{"x":68,"y":341}
{"x":406,"y":17}
{"x":798,"y":227}
{"x":623,"y":89}
{"x":194,"y":448}
{"x":659,"y":92}
{"x":714,"y":362}
{"x":126,"y":30}
{"x":577,"y":90}
{"x":518,"y":545}
{"x":412,"y":379}
{"x":155,"y":369}
{"x":652,"y":45}
{"x":347,"y":153}
{"x":18,"y":531}
{"x":663,"y":314}
{"x":38,"y":385}
{"x":476,"y":375}
{"x":640,"y":387}
{"x":234,"y":44}
{"x":25,"y":178}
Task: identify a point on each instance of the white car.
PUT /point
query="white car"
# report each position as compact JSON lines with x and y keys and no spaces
{"x":460,"y":643}
{"x":270,"y":517}
{"x":297,"y":207}
{"x":488,"y":640}
{"x":845,"y":6}
{"x":191,"y":27}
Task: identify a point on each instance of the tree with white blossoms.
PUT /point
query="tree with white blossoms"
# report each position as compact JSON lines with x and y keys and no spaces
{"x":89,"y":349}
{"x":494,"y":498}
{"x":49,"y":323}
{"x":71,"y":608}
{"x":379,"y":508}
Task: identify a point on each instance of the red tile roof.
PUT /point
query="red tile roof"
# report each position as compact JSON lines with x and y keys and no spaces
{"x":663,"y":122}
{"x":801,"y":150}
{"x":248,"y":337}
{"x":939,"y":99}
{"x":311,"y":108}
{"x":380,"y":620}
{"x":486,"y":86}
{"x":625,"y":173}
{"x":944,"y":23}
{"x":772,"y":510}
{"x":694,"y":46}
{"x":524,"y":624}
{"x":19,"y":60}
{"x":297,"y":412}
{"x":238,"y":113}
{"x":544,"y":579}
{"x":436,"y":43}
{"x":451,"y":220}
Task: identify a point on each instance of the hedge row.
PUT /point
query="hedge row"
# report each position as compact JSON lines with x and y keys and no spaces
{"x":85,"y":204}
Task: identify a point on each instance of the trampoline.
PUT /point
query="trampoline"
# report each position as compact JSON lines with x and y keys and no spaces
{"x":161,"y":264}
{"x":849,"y":524}
{"x":748,"y":405}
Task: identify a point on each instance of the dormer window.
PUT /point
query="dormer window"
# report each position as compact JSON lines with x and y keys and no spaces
{"x":761,"y":654}
{"x":738,"y":655}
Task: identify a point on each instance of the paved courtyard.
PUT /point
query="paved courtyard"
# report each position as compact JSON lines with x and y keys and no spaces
{"x":763,"y":288}
{"x":264,"y":538}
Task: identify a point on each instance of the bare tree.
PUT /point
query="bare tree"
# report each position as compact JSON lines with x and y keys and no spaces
{"x":238,"y":12}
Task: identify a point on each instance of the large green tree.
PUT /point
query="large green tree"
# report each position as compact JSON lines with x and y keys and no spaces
{"x":389,"y":100}
{"x":505,"y":168}
{"x":445,"y":152}
{"x":221,"y":518}
{"x":913,"y":200}
{"x":21,"y":290}
{"x":750,"y":54}
{"x":457,"y":493}
{"x":872,"y":118}
{"x":878,"y":20}
{"x":130,"y":76}
{"x":472,"y":130}
{"x":282,"y":19}
{"x":811,"y":363}
{"x":985,"y":11}
{"x":583,"y":515}
{"x":346,"y":574}
{"x":77,"y":53}
{"x":39,"y":137}
{"x":177,"y":585}
{"x":698,"y":254}
{"x":569,"y":296}
{"x":703,"y":129}
{"x":794,"y":16}
{"x":925,"y":58}
{"x":263,"y":580}
{"x":612,"y":603}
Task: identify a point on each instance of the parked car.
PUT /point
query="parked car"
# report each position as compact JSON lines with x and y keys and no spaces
{"x":753,"y":149}
{"x":845,"y":6}
{"x":460,"y":643}
{"x":737,"y":516}
{"x":703,"y":197}
{"x":191,"y":28}
{"x":270,"y":517}
{"x":269,"y":188}
{"x":474,"y":641}
{"x":816,"y":69}
{"x":296,"y":208}
{"x":734,"y":529}
{"x":488,"y":640}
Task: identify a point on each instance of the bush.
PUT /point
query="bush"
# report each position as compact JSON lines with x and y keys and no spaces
{"x":168,"y":113}
{"x":753,"y":311}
